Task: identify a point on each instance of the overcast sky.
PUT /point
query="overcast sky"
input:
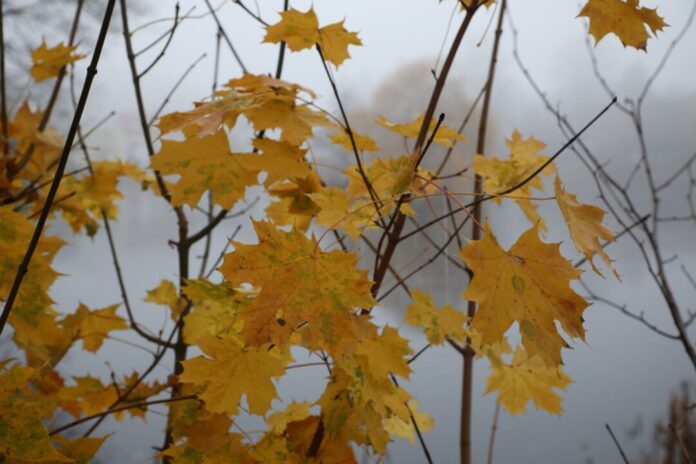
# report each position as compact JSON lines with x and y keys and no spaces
{"x":623,"y":371}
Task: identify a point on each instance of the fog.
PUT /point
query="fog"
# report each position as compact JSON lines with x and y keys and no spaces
{"x":623,"y":372}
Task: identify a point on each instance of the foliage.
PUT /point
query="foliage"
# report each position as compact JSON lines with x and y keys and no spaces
{"x":294,"y":287}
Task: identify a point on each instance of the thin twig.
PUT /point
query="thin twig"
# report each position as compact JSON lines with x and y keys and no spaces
{"x":226,"y":37}
{"x":108,"y":412}
{"x":162,"y":52}
{"x":494,"y":429}
{"x":618,"y":445}
{"x":174,"y":88}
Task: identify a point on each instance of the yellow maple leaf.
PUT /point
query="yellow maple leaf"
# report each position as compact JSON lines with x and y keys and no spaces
{"x":23,"y":435}
{"x":356,"y":403}
{"x":278,"y":159}
{"x":529,"y":284}
{"x":253,"y":369}
{"x":390,"y":178}
{"x":49,"y":61}
{"x":405,"y":429}
{"x":333,"y":449}
{"x":439,"y":324}
{"x":230,"y":450}
{"x":445,"y":135}
{"x":299,"y":284}
{"x":32,"y":318}
{"x":278,"y":421}
{"x":207,"y":118}
{"x":93,"y":326}
{"x":526,"y":379}
{"x":209,"y":431}
{"x":624,"y":18}
{"x":334,"y":40}
{"x":295,"y":207}
{"x":386,"y":353}
{"x":301,"y":31}
{"x":23,"y":132}
{"x":362,"y":142}
{"x":215,"y":310}
{"x":502,"y":174}
{"x":140,"y":393}
{"x":88,"y":396}
{"x":204,"y":163}
{"x":85,"y":198}
{"x":295,"y":121}
{"x":585,"y":225}
{"x":337,"y":211}
{"x":80,"y":450}
{"x":166,"y":294}
{"x":268,"y":103}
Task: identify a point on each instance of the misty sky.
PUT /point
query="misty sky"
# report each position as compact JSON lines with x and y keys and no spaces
{"x":621,"y":373}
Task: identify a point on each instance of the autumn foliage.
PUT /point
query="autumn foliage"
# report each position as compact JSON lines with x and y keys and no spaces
{"x":300,"y":283}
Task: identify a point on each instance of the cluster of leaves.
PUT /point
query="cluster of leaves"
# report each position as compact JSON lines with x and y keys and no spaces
{"x":288,"y":289}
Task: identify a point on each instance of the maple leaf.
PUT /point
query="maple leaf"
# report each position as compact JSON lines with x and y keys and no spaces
{"x":278,"y":159}
{"x":79,"y":450}
{"x":32,"y":318}
{"x":215,"y":310}
{"x":624,"y":18}
{"x":278,"y":421}
{"x":93,"y":326}
{"x":385,"y":353}
{"x":439,"y":324}
{"x":49,"y":61}
{"x":300,"y":435}
{"x":266,"y":102}
{"x":301,"y":31}
{"x":24,"y":132}
{"x":503,"y":174}
{"x":390,"y":178}
{"x":362,"y":142}
{"x":253,"y":369}
{"x":529,"y":284}
{"x":334,"y":40}
{"x":276,"y":107}
{"x":24,"y":127}
{"x":204,"y":164}
{"x":47,"y":144}
{"x":140,"y":393}
{"x":86,"y":198}
{"x":88,"y":396}
{"x":208,"y":118}
{"x":294,"y":121}
{"x":356,"y":404}
{"x":405,"y":429}
{"x":166,"y":294}
{"x":295,"y":207}
{"x":210,"y":442}
{"x":299,"y":284}
{"x":585,"y":226}
{"x":208,"y":431}
{"x":445,"y":135}
{"x":526,"y":379}
{"x":337,"y":210}
{"x":23,"y":436}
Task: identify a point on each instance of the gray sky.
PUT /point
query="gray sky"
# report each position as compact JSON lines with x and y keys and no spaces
{"x":622,"y":372}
